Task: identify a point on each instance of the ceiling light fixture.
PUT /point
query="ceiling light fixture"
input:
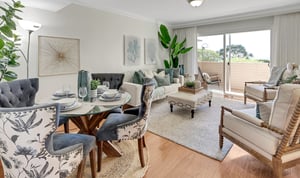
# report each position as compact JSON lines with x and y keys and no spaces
{"x":195,"y":3}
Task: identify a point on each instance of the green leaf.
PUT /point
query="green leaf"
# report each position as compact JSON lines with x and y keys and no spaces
{"x":175,"y":62}
{"x":10,"y":75}
{"x":166,"y":63}
{"x":174,"y":41}
{"x":10,"y":23}
{"x":6,"y":31}
{"x":165,"y":33}
{"x":2,"y":67}
{"x":1,"y":43}
{"x":185,"y":50}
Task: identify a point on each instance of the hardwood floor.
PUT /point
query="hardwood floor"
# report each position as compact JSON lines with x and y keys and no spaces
{"x":168,"y":159}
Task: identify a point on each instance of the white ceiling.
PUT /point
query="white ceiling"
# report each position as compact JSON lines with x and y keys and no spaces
{"x":177,"y":12}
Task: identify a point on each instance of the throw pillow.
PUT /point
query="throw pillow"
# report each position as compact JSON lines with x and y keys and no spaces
{"x":150,"y":80}
{"x":263,"y":110}
{"x":170,"y":72}
{"x":176,"y":72}
{"x":161,"y":73}
{"x":276,"y":74}
{"x":138,"y":77}
{"x":148,"y":73}
{"x":162,"y":81}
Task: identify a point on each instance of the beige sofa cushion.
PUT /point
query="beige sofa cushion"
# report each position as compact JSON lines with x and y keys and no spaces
{"x":284,"y":105}
{"x":261,"y":137}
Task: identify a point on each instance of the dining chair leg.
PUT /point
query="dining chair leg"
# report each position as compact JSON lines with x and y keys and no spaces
{"x":81,"y":168}
{"x":144,"y":143}
{"x":66,"y":127}
{"x":141,"y":154}
{"x":100,"y":149}
{"x":93,"y":163}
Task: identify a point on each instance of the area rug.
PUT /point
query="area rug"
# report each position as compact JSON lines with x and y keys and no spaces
{"x":128,"y":165}
{"x":200,"y":133}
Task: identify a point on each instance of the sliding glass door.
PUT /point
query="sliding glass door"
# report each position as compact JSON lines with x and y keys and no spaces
{"x":236,"y":58}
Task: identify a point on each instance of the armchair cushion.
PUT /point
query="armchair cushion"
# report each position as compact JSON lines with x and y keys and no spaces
{"x":242,"y":114}
{"x":255,"y":135}
{"x":284,"y":105}
{"x":257,"y":92}
{"x":263,"y":110}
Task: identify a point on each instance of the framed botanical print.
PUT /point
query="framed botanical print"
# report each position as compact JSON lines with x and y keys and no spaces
{"x":58,"y":56}
{"x":132,"y":50}
{"x":150,"y":51}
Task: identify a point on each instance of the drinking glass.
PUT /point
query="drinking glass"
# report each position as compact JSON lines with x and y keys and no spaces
{"x":82,"y":92}
{"x":106,"y":83}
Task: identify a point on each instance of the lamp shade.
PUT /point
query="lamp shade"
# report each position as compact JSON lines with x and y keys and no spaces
{"x":195,"y":3}
{"x":30,"y":26}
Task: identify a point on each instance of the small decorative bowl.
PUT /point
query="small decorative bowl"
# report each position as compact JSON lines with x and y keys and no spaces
{"x":110,"y":93}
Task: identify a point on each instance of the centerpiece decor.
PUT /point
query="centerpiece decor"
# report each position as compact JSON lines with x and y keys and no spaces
{"x":93,"y":90}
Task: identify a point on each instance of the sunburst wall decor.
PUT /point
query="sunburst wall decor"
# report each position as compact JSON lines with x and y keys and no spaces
{"x":58,"y":56}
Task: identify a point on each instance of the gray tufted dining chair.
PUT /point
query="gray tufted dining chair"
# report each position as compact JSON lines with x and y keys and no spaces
{"x":122,"y":126}
{"x":18,"y":93}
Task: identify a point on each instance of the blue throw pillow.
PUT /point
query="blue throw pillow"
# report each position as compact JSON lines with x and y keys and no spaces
{"x":170,"y":72}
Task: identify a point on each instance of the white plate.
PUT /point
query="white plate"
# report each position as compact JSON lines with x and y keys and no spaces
{"x":66,"y":102}
{"x":109,"y":99}
{"x":75,"y":106}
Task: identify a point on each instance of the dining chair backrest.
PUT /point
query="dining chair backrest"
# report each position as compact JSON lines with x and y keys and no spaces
{"x":115,"y":79}
{"x":26,"y":147}
{"x":18,"y":93}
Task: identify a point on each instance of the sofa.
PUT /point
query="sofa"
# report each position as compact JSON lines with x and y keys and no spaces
{"x":133,"y":84}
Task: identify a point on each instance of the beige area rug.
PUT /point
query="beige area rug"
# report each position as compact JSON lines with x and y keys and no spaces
{"x":128,"y":165}
{"x":200,"y":133}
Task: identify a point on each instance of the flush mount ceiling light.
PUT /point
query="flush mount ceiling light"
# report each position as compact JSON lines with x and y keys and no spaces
{"x":195,"y":3}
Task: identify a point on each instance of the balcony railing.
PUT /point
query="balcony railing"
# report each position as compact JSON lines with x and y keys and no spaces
{"x":239,"y":72}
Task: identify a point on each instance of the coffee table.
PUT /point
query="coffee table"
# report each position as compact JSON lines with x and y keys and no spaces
{"x":189,"y":100}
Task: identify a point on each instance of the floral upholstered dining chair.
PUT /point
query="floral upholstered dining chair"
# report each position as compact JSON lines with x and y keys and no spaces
{"x":29,"y":146}
{"x":125,"y":126}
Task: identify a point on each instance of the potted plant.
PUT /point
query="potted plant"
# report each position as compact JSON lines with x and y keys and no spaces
{"x":93,"y":88}
{"x":174,"y":47}
{"x":9,"y":40}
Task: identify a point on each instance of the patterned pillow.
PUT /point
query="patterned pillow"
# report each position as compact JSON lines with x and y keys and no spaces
{"x":170,"y":72}
{"x":162,"y":81}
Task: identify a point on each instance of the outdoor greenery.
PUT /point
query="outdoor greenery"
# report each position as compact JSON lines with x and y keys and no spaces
{"x":9,"y":41}
{"x":238,"y":54}
{"x":174,"y":48}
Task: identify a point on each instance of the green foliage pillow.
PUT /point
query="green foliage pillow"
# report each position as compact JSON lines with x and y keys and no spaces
{"x":138,"y":77}
{"x":162,"y":81}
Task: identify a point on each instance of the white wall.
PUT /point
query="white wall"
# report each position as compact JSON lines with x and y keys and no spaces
{"x":101,"y":41}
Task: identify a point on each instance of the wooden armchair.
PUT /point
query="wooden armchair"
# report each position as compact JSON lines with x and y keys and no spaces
{"x":259,"y":91}
{"x":274,"y":141}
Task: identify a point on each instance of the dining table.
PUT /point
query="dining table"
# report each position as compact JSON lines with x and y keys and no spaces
{"x":87,"y":116}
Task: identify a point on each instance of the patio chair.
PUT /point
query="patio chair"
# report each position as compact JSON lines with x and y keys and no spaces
{"x":273,"y":140}
{"x":30,"y":147}
{"x":208,"y":79}
{"x":129,"y":126}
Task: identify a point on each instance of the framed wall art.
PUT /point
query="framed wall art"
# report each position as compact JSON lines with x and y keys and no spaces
{"x":58,"y":56}
{"x":132,"y":50}
{"x":150,"y":51}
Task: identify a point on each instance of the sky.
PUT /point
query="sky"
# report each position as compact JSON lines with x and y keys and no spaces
{"x":257,"y":42}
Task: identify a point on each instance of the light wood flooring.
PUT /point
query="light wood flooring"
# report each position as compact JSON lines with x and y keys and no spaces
{"x":170,"y":160}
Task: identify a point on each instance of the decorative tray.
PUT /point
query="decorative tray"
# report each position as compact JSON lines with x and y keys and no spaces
{"x":190,"y":90}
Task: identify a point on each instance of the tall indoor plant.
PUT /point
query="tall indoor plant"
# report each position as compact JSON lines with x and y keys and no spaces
{"x":9,"y":40}
{"x":174,"y":47}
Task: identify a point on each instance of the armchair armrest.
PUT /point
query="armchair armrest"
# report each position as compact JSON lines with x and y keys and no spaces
{"x":256,"y":82}
{"x":134,"y":90}
{"x":241,"y":115}
{"x":247,"y":118}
